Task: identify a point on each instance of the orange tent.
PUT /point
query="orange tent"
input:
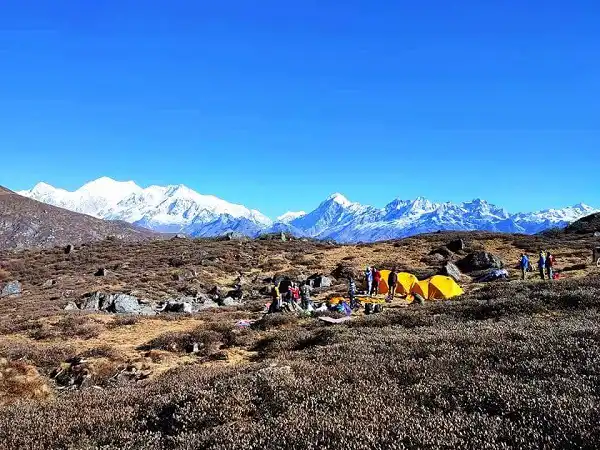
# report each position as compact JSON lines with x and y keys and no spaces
{"x":405,"y":282}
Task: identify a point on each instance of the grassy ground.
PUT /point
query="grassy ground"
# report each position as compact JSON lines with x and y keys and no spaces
{"x":509,"y":365}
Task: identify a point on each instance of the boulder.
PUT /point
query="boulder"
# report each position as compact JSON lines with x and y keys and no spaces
{"x":228,"y":301}
{"x":480,"y":261}
{"x":433,"y":260}
{"x":12,"y":288}
{"x":101,"y":272}
{"x":71,"y":306}
{"x":343,"y":271}
{"x":450,"y":269}
{"x":91,"y":302}
{"x":125,"y":304}
{"x":69,"y":249}
{"x":442,"y":251}
{"x":235,"y":236}
{"x":456,"y":245}
{"x":319,"y":281}
{"x":179,"y":307}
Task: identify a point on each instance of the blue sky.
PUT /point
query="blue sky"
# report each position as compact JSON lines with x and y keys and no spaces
{"x":278,"y":104}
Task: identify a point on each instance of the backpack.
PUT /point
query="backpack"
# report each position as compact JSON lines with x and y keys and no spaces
{"x":369,"y":308}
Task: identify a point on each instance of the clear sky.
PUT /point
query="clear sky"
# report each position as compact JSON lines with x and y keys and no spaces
{"x":277,"y":104}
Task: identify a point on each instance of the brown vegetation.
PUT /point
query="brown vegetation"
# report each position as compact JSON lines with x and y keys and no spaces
{"x":508,"y":365}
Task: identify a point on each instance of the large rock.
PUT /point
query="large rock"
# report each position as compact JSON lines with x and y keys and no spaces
{"x":91,"y":302}
{"x":11,"y":288}
{"x":228,"y":301}
{"x":125,"y":304}
{"x":71,"y":306}
{"x":456,"y":245}
{"x":179,"y":307}
{"x":442,"y":251}
{"x":480,"y":261}
{"x":451,"y":270}
{"x":319,"y":281}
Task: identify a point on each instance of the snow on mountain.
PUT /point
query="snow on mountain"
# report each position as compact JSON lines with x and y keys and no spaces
{"x":180,"y":209}
{"x":289,"y":216}
{"x":160,"y":208}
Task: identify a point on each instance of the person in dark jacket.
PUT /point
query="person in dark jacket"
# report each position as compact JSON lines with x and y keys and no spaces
{"x":524,"y":264}
{"x":392,"y":282}
{"x":542,"y":265}
{"x":549,"y":265}
{"x":305,"y":301}
{"x":352,"y":291}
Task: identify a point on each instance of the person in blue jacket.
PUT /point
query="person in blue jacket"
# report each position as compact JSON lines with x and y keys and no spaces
{"x":524,"y":265}
{"x":542,"y":265}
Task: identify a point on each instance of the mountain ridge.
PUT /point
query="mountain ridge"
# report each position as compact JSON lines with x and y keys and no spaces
{"x":177,"y":208}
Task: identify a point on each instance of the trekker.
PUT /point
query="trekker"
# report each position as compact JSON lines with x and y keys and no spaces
{"x":369,"y":280}
{"x":305,"y":301}
{"x":275,"y":299}
{"x":352,"y":291}
{"x":549,"y":265}
{"x":392,"y":282}
{"x":542,"y":265}
{"x":376,"y":281}
{"x":295,"y":291}
{"x":524,"y":264}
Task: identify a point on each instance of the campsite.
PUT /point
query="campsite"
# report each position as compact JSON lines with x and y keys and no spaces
{"x":500,"y":364}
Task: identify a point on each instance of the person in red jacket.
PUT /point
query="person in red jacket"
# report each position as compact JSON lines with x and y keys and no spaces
{"x":376,"y":280}
{"x":549,"y":265}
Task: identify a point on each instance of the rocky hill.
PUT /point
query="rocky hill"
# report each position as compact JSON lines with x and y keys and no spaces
{"x":586,"y":225}
{"x":28,"y":223}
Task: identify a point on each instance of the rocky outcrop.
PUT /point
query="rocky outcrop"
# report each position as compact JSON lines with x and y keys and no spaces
{"x":480,"y":261}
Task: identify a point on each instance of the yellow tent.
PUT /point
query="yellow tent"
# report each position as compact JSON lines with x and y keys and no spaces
{"x":437,"y":287}
{"x":404,"y":286}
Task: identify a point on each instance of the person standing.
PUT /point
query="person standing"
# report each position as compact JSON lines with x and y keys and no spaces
{"x":352,"y":291}
{"x":275,"y":299}
{"x":524,"y":264}
{"x":369,"y":280}
{"x":549,"y":265}
{"x":392,"y":282}
{"x":542,"y":265}
{"x":376,"y":281}
{"x":305,"y":301}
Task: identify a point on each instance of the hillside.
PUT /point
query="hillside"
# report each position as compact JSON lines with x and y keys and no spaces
{"x":27,"y":223}
{"x":506,"y":365}
{"x":586,"y":225}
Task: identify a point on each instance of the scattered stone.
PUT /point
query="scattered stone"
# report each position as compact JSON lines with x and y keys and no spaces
{"x":180,"y":236}
{"x":102,"y":272}
{"x":235,"y":236}
{"x":71,"y":306}
{"x":451,"y":270}
{"x":480,"y":261}
{"x":48,"y":284}
{"x":12,"y":288}
{"x":69,"y":249}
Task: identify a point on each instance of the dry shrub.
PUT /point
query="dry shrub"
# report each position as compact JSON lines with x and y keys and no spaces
{"x":122,"y":321}
{"x":103,"y":351}
{"x":102,"y":371}
{"x":208,"y":341}
{"x":20,"y":381}
{"x":4,"y":275}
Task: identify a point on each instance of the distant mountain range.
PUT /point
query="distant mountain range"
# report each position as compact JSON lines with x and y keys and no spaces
{"x":182,"y":210}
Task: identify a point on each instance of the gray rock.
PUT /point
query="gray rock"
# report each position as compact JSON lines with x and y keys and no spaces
{"x":48,"y":284}
{"x":102,"y":272}
{"x":91,"y":302}
{"x":443,"y":251}
{"x":11,"y":288}
{"x":480,"y":261}
{"x":451,"y":270}
{"x":71,"y":306}
{"x":125,"y":304}
{"x":228,"y":301}
{"x":319,"y":281}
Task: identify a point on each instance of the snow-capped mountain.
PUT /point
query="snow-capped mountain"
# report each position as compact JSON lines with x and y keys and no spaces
{"x":180,"y":209}
{"x":160,"y":208}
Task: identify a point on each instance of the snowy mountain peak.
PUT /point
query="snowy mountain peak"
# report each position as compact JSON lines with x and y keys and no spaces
{"x":340,"y":200}
{"x":177,"y":208}
{"x":290,"y":215}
